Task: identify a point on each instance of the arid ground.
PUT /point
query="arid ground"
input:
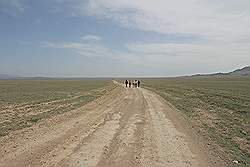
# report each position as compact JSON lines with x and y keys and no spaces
{"x":218,"y":109}
{"x":121,"y":127}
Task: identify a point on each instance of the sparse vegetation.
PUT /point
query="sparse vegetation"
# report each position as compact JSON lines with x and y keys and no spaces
{"x":219,"y":107}
{"x":25,"y":102}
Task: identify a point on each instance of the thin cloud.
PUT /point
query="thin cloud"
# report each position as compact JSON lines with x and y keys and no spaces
{"x":11,"y":7}
{"x":64,"y":45}
{"x":86,"y":49}
{"x":162,"y":54}
{"x":91,"y":38}
{"x":221,"y":25}
{"x":215,"y":20}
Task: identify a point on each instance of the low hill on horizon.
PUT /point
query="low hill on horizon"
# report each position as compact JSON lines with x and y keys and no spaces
{"x":6,"y":76}
{"x":245,"y":71}
{"x":242,"y":71}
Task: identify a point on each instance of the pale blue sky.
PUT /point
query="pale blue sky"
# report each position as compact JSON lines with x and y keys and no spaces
{"x":103,"y":38}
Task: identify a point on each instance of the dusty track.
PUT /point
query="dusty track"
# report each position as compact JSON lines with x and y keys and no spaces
{"x":128,"y":127}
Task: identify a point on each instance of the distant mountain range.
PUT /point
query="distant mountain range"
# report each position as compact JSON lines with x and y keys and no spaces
{"x":6,"y":76}
{"x":245,"y":71}
{"x":242,"y":71}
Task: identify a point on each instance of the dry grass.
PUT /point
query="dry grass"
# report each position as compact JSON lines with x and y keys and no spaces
{"x":25,"y":102}
{"x":219,"y":107}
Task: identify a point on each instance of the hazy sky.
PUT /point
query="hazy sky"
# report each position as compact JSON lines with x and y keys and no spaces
{"x":90,"y":38}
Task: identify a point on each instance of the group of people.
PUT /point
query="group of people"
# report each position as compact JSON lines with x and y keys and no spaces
{"x":134,"y":84}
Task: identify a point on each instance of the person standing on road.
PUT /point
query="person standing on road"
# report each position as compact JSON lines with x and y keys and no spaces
{"x":126,"y":83}
{"x":135,"y":83}
{"x":129,"y":83}
{"x":138,"y":83}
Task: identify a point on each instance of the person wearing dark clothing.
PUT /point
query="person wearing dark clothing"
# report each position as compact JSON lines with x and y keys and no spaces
{"x":129,"y":83}
{"x":126,"y":83}
{"x":138,"y":83}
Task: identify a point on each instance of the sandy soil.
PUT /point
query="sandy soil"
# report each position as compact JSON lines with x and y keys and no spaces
{"x":127,"y":127}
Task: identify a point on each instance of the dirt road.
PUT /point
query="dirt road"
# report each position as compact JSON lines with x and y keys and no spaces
{"x":127,"y":127}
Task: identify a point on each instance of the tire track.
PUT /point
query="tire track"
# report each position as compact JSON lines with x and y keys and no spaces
{"x":126,"y":145}
{"x":128,"y":127}
{"x":165,"y":145}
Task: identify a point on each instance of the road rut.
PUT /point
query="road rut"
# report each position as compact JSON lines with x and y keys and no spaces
{"x":127,"y":127}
